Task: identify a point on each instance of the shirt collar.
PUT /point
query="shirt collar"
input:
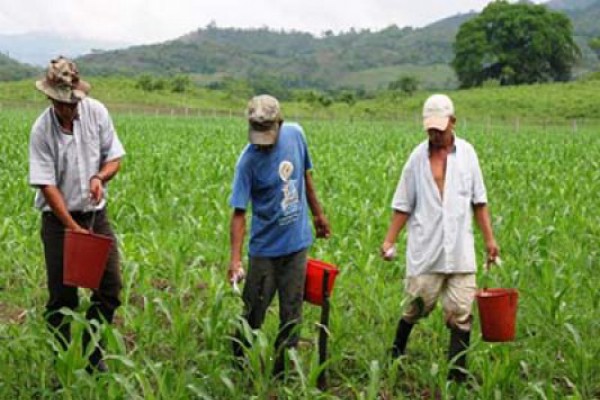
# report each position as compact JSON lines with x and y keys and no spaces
{"x":55,"y":120}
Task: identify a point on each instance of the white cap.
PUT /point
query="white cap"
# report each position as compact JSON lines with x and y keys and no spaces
{"x":437,"y":111}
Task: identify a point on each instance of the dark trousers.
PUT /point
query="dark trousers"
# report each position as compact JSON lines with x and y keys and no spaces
{"x":104,"y":301}
{"x":286,"y":276}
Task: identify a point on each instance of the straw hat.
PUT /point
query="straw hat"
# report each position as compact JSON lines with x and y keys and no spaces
{"x":62,"y":82}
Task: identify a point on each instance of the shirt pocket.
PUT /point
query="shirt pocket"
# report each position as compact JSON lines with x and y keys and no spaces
{"x":465,"y":185}
{"x":91,"y":144}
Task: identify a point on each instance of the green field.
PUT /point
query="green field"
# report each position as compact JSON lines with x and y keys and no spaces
{"x":169,"y":208}
{"x":429,"y":76}
{"x":537,"y":105}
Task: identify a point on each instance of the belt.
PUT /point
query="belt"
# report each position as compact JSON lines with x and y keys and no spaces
{"x":75,"y":214}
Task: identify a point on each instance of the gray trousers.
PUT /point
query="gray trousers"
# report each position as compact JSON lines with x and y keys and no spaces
{"x":286,"y":276}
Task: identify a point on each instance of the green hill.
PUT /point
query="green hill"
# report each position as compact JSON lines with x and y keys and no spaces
{"x":355,"y":59}
{"x":11,"y":70}
{"x":298,"y":59}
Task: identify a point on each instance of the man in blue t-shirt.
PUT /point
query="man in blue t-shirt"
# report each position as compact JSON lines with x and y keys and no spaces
{"x":273,"y":174}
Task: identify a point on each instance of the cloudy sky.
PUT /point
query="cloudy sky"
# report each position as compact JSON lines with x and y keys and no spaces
{"x":146,"y":21}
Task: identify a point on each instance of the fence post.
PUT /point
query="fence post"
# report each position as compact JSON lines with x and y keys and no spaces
{"x":574,"y":126}
{"x":517,"y":125}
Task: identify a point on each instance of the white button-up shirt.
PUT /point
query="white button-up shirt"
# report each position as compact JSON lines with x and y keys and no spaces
{"x":440,"y":231}
{"x":69,"y":161}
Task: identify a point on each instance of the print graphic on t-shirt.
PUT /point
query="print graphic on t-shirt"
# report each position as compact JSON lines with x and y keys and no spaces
{"x":290,"y":202}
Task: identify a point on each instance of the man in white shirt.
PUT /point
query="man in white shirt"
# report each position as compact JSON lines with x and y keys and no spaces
{"x":439,"y":192}
{"x":74,"y":151}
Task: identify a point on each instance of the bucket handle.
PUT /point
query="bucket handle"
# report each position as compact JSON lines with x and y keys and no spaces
{"x":487,"y":267}
{"x":93,"y":220}
{"x":93,"y":205}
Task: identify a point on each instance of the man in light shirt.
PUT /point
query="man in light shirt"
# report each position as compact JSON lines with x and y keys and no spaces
{"x":73,"y":152}
{"x":439,"y":192}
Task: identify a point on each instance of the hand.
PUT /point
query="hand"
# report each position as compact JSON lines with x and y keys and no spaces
{"x":235,"y":273}
{"x":96,"y":189}
{"x":78,"y":229}
{"x":388,"y":251}
{"x":493,"y":252}
{"x":321,"y":226}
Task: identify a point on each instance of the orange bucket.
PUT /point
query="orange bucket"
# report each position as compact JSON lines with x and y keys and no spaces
{"x":498,"y":314}
{"x":85,"y":257}
{"x":313,"y":290}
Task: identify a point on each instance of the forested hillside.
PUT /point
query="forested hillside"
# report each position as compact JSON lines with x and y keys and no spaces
{"x":11,"y":70}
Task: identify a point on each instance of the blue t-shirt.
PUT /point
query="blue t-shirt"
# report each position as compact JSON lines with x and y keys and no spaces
{"x":274,"y":183}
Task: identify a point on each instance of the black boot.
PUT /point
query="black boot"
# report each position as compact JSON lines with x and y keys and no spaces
{"x":402,"y":334}
{"x":279,"y":365}
{"x":96,"y":359}
{"x":459,"y":343}
{"x":60,"y":328}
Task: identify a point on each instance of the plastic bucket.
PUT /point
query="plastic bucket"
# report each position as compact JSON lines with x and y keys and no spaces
{"x":85,"y":257}
{"x":498,"y":314}
{"x":313,"y":290}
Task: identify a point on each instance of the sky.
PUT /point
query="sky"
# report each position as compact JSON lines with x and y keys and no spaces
{"x":151,"y":21}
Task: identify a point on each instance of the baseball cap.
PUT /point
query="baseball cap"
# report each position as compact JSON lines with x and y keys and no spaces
{"x":62,"y":82}
{"x":437,"y":111}
{"x":264,"y":115}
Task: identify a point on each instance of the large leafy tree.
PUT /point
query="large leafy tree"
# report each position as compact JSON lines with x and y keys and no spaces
{"x":515,"y":44}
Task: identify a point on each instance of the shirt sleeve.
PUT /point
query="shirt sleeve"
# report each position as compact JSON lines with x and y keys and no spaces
{"x":405,"y":196}
{"x":308,"y":165}
{"x":479,"y":195}
{"x":42,"y":170}
{"x":242,"y":183}
{"x":110,"y":145}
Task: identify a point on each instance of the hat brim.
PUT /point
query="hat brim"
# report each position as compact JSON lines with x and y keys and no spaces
{"x":64,"y":95}
{"x":263,"y":138}
{"x":439,"y":123}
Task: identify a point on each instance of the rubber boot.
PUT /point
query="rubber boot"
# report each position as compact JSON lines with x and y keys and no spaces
{"x":96,"y":358}
{"x":402,"y":334}
{"x":279,"y":365}
{"x":459,"y":343}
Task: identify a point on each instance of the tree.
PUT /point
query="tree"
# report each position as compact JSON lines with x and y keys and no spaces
{"x":144,"y":82}
{"x":407,"y":84}
{"x":515,"y":44}
{"x":595,"y":45}
{"x":180,"y":83}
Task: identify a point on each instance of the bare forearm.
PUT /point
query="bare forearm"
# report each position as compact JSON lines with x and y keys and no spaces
{"x":57,"y":203}
{"x":482,"y":216}
{"x":109,"y":170}
{"x":237,"y":232}
{"x":396,"y":225}
{"x":311,"y":196}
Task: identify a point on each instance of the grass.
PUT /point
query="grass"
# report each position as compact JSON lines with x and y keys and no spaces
{"x":169,"y":209}
{"x":570,"y":104}
{"x":430,"y":77}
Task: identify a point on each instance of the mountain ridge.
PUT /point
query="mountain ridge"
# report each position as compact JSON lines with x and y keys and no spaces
{"x":355,"y":59}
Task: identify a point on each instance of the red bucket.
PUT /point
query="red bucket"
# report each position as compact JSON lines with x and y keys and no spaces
{"x":85,"y":257}
{"x":313,"y":290}
{"x":498,"y":314}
